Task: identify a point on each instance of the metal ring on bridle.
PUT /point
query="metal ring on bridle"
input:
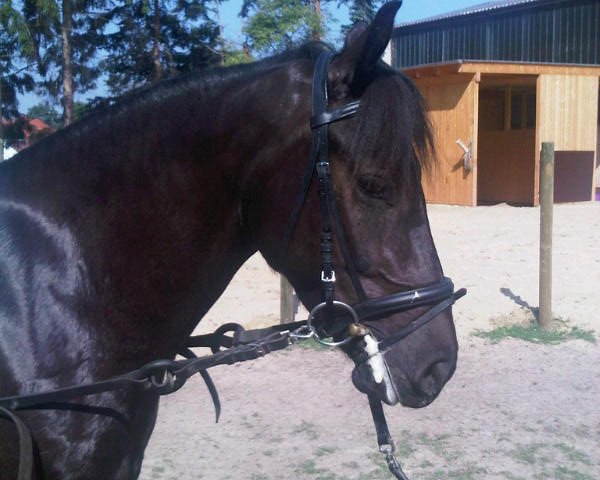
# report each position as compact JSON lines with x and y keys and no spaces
{"x":321,"y":306}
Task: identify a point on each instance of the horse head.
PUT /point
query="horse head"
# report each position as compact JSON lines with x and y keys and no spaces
{"x":381,"y":239}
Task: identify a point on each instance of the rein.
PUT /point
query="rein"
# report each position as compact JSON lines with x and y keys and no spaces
{"x":165,"y":376}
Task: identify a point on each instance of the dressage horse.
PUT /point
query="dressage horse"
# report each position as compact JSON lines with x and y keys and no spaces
{"x":119,"y":232}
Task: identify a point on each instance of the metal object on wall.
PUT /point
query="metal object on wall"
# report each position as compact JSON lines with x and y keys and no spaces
{"x":467,"y":155}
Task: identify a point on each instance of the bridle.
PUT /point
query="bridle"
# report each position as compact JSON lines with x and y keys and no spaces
{"x":440,"y":294}
{"x":165,"y":376}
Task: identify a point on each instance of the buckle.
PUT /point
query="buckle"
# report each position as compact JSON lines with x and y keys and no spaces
{"x":326,"y":279}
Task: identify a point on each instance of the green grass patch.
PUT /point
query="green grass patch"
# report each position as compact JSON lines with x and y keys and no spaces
{"x":573,"y":454}
{"x":309,"y":468}
{"x":470,"y":472}
{"x":564,"y":473}
{"x":528,"y":453}
{"x":438,"y":444}
{"x":312,"y":344}
{"x":308,"y":429}
{"x":323,"y":450}
{"x":534,"y":334}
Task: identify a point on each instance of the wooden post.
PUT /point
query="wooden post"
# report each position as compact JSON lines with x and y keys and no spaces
{"x":546,"y":205}
{"x":286,"y":301}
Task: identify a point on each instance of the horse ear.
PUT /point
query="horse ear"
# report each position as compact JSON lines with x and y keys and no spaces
{"x":352,"y":70}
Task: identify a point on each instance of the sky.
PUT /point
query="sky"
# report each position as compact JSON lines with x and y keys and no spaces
{"x":232,"y":27}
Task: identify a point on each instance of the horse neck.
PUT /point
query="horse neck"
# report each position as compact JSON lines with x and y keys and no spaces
{"x":153,"y":193}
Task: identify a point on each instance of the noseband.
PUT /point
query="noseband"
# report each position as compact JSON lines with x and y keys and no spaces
{"x":439,"y":295}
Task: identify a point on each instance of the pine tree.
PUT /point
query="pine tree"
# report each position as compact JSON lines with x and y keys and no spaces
{"x":273,"y":26}
{"x":155,"y":39}
{"x":67,"y":35}
{"x":360,"y":11}
{"x":16,"y":49}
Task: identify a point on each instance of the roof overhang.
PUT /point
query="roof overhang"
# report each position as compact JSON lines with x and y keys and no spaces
{"x":499,"y":68}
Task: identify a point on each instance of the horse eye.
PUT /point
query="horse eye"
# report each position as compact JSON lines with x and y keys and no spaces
{"x":373,"y":186}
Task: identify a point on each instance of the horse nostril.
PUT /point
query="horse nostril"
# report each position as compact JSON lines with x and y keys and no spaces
{"x":434,"y":378}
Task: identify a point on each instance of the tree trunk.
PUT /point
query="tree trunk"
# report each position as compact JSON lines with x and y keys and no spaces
{"x":220,"y":25}
{"x":67,"y":23}
{"x":316,"y":34}
{"x":156,"y":50}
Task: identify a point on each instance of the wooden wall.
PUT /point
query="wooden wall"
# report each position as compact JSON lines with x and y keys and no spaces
{"x":567,"y":107}
{"x":452,"y":103}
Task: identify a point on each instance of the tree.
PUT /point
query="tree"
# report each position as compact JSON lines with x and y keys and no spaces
{"x":360,"y":11}
{"x":273,"y":26}
{"x":16,"y":48}
{"x":67,"y":35}
{"x":154,"y":39}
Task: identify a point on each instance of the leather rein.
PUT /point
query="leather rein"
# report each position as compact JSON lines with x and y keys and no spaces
{"x":162,"y":377}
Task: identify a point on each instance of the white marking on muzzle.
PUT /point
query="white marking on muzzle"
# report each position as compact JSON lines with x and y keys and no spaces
{"x":376,"y":361}
{"x":379,"y":369}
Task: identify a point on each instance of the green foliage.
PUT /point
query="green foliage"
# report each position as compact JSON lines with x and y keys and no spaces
{"x":83,"y":23}
{"x":150,"y":40}
{"x":360,"y":11}
{"x":235,"y":57}
{"x":276,"y":25}
{"x":13,"y":26}
{"x":16,"y":50}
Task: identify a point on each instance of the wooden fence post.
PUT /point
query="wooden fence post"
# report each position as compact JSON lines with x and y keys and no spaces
{"x":286,"y":301}
{"x":546,"y":206}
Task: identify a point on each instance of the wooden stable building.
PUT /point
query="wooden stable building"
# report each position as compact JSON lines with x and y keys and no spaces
{"x":500,"y":79}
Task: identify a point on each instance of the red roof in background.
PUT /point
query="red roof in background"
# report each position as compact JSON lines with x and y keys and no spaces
{"x":38,"y":124}
{"x":31,"y":128}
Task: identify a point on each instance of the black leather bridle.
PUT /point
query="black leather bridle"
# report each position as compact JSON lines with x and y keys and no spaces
{"x":439,"y":295}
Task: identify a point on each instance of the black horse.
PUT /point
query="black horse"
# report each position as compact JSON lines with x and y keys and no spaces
{"x":118,"y":233}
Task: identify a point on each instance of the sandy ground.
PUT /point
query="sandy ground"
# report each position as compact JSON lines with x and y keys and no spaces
{"x":513,"y":410}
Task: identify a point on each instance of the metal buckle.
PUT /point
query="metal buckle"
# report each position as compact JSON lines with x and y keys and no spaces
{"x":326,"y":279}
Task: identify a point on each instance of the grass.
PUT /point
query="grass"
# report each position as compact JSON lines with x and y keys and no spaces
{"x":312,"y":344}
{"x":573,"y":454}
{"x":528,"y":453}
{"x":438,"y":444}
{"x":308,"y":429}
{"x":323,"y":450}
{"x":470,"y":472}
{"x":535,"y":334}
{"x":309,"y":468}
{"x":564,"y":473}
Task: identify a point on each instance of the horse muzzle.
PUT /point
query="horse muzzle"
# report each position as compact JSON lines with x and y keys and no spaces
{"x":375,"y":376}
